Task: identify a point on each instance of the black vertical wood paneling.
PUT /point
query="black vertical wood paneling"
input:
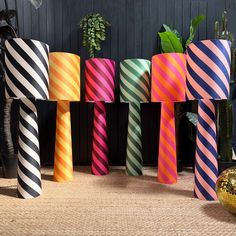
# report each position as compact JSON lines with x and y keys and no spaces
{"x":133,"y":33}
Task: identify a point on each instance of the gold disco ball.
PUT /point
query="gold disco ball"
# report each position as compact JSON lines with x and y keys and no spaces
{"x":226,"y":189}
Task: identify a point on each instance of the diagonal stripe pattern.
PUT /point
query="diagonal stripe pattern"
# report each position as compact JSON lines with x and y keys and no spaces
{"x":134,"y":88}
{"x":208,"y":75}
{"x":63,"y":161}
{"x":168,"y":86}
{"x":27,"y":78}
{"x":99,"y":88}
{"x":64,"y":87}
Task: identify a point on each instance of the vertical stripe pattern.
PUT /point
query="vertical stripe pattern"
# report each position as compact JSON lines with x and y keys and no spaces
{"x":64,"y":87}
{"x":27,"y":78}
{"x":134,"y":88}
{"x":63,"y":161}
{"x":99,"y":88}
{"x":208,"y":74}
{"x":168,"y":86}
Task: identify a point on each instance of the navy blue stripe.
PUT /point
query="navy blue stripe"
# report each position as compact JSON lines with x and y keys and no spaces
{"x":207,"y":144}
{"x":223,"y":49}
{"x":203,"y":191}
{"x":193,"y":92}
{"x":207,"y":110}
{"x":211,"y":74}
{"x":214,"y":58}
{"x":207,"y":161}
{"x":205,"y":125}
{"x":206,"y":87}
{"x":205,"y":176}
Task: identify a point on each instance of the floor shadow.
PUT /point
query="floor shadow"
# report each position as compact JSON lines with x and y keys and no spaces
{"x":47,"y":177}
{"x":222,"y":214}
{"x":8,"y":191}
{"x":148,"y":184}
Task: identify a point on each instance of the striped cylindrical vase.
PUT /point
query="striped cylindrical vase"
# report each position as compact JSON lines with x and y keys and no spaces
{"x":99,"y":88}
{"x":168,"y":86}
{"x":64,"y":87}
{"x":134,"y":88}
{"x":208,"y":75}
{"x":27,"y":78}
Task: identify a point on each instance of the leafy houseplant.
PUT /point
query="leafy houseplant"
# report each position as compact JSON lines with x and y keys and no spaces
{"x":94,"y":32}
{"x":172,"y":41}
{"x":225,"y":113}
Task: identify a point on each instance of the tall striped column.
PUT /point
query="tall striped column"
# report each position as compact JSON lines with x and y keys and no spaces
{"x":208,"y":75}
{"x":64,"y":87}
{"x":168,"y":86}
{"x":27,"y":78}
{"x":99,"y":88}
{"x":134,"y":88}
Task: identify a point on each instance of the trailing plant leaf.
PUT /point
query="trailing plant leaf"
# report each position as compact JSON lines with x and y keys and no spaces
{"x":195,"y":22}
{"x":94,"y":32}
{"x":173,"y":30}
{"x":170,"y":43}
{"x":192,"y":117}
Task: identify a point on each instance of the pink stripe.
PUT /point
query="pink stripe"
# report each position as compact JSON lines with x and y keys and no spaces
{"x":219,"y":53}
{"x":162,"y":177}
{"x":205,"y":185}
{"x":101,"y":154}
{"x":171,"y":67}
{"x":205,"y":76}
{"x":210,"y":105}
{"x":101,"y":141}
{"x":168,"y":108}
{"x":90,"y":93}
{"x":167,"y":124}
{"x":100,"y":129}
{"x":105,"y":71}
{"x":198,"y":88}
{"x":155,"y":97}
{"x":94,"y":170}
{"x":99,"y":164}
{"x":167,"y":168}
{"x":159,"y":83}
{"x":198,"y":193}
{"x":104,"y":82}
{"x":165,"y":150}
{"x":180,"y":62}
{"x":203,"y":165}
{"x":168,"y":140}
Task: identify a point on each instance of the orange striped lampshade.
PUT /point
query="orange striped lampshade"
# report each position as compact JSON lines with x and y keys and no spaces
{"x":64,"y":76}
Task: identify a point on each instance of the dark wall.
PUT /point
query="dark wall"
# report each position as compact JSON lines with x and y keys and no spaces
{"x":135,"y":24}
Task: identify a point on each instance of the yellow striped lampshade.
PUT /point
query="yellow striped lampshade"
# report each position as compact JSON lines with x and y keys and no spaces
{"x":64,"y":76}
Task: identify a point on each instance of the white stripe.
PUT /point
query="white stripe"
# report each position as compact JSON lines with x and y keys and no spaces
{"x":28,"y":67}
{"x":29,"y":181}
{"x":23,"y":193}
{"x":29,"y":135}
{"x":28,"y":119}
{"x":29,"y":166}
{"x":25,"y":83}
{"x":29,"y":150}
{"x":13,"y":88}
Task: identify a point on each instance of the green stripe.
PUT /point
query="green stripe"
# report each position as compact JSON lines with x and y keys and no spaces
{"x":134,"y":161}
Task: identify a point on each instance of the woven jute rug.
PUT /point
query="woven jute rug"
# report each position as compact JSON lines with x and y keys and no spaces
{"x":112,"y":205}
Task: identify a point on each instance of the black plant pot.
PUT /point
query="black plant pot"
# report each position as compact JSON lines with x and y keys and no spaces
{"x":9,"y":165}
{"x":223,"y":165}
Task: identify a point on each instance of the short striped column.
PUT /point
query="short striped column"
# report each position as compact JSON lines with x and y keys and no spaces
{"x":27,"y":78}
{"x":168,"y":86}
{"x":134,"y":88}
{"x":99,"y":88}
{"x":208,"y":75}
{"x":64,"y":87}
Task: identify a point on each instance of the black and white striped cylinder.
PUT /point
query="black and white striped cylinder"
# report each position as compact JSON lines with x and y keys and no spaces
{"x":27,"y":79}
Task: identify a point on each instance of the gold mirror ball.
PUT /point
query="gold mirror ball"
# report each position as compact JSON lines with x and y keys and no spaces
{"x":226,"y":189}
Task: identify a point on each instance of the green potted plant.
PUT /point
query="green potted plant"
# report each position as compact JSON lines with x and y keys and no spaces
{"x":225,"y":110}
{"x":172,"y":41}
{"x":93,"y":27}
